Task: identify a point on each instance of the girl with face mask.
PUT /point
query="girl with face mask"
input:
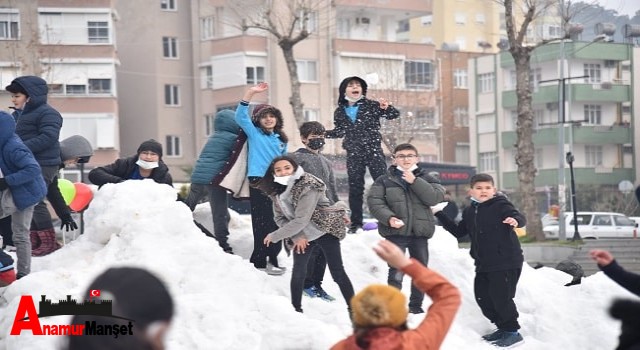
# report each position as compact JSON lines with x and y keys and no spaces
{"x":296,"y":197}
{"x":146,"y":164}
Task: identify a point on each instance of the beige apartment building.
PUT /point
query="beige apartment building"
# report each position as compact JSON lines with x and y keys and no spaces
{"x":71,"y":44}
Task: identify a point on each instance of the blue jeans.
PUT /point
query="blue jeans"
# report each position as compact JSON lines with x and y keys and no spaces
{"x":418,"y":249}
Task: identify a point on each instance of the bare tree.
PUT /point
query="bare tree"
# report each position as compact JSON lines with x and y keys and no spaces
{"x":289,"y":22}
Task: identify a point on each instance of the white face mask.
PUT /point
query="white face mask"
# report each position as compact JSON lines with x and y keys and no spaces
{"x":411,"y":168}
{"x":146,"y":165}
{"x":283,"y":180}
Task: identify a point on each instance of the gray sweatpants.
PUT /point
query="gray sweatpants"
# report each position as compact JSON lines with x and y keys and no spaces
{"x":20,"y":224}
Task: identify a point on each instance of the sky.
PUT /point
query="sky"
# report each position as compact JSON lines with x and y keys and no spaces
{"x":624,"y":7}
{"x":222,"y":302}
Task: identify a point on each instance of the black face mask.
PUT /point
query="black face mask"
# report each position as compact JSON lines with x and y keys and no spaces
{"x":315,"y":144}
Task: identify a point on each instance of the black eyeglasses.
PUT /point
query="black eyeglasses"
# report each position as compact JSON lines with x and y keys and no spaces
{"x":405,"y":156}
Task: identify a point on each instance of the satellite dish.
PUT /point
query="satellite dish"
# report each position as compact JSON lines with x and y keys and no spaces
{"x":625,"y":186}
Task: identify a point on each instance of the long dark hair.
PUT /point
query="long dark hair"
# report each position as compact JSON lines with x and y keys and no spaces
{"x":267,"y":183}
{"x":260,"y":111}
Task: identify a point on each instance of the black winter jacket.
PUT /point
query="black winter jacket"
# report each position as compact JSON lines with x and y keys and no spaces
{"x":363,"y":136}
{"x":494,"y":245}
{"x":122,"y":169}
{"x":39,"y":124}
{"x":390,"y":196}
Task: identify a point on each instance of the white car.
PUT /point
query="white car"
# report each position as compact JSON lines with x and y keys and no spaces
{"x":594,"y":225}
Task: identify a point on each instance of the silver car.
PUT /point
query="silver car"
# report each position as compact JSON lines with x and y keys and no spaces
{"x":594,"y":225}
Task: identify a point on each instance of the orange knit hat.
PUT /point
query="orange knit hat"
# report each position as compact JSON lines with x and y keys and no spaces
{"x":379,"y":305}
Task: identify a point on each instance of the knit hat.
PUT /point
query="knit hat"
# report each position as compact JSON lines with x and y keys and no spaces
{"x":15,"y":88}
{"x":379,"y":305}
{"x":151,"y":145}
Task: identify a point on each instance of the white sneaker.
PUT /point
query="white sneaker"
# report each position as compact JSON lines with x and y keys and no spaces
{"x":272,"y":270}
{"x":10,"y":248}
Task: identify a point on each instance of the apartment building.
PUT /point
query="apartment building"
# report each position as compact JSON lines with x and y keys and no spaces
{"x":70,"y":44}
{"x":599,"y":113}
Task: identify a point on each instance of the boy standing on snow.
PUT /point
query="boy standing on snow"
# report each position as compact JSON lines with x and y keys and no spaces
{"x":490,"y":221}
{"x":357,"y":120}
{"x":400,"y":200}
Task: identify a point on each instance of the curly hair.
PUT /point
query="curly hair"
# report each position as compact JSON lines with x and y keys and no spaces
{"x":261,"y":111}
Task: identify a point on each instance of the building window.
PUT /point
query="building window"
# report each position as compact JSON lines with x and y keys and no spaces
{"x":403,"y":26}
{"x":554,"y":31}
{"x":255,"y":75}
{"x":418,"y":74}
{"x":593,"y":155}
{"x":307,"y":71}
{"x":461,"y":18}
{"x":76,"y":89}
{"x":98,"y":32}
{"x":426,"y":20}
{"x":480,"y":18}
{"x":487,"y":162}
{"x":9,"y":26}
{"x":460,"y":79}
{"x":169,"y":47}
{"x":535,"y":75}
{"x":592,"y":70}
{"x":168,"y":5}
{"x":539,"y":156}
{"x":56,"y":88}
{"x":310,"y":115}
{"x":312,"y":20}
{"x":173,"y":146}
{"x":426,"y":118}
{"x":461,"y":117}
{"x":486,"y":82}
{"x":207,"y":28}
{"x":99,"y":86}
{"x":462,"y":153}
{"x":486,"y":123}
{"x":593,"y":114}
{"x":172,"y":95}
{"x":209,"y":120}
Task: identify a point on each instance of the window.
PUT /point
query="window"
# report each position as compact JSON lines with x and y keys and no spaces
{"x":169,"y":5}
{"x":56,"y":88}
{"x":539,"y":156}
{"x":307,"y":71}
{"x":554,"y":31}
{"x":487,"y":161}
{"x":209,"y":123}
{"x":486,"y":82}
{"x":480,"y":18}
{"x":461,"y":18}
{"x":311,"y":115}
{"x":593,"y":114}
{"x":9,"y":26}
{"x":486,"y":123}
{"x":426,"y":118}
{"x":535,"y":75}
{"x":312,"y":20}
{"x":593,"y":155}
{"x":76,"y":89}
{"x":403,"y":26}
{"x":169,"y":47}
{"x":426,"y":20}
{"x":207,"y":28}
{"x":460,"y":78}
{"x":255,"y":75}
{"x":593,"y":72}
{"x":206,"y":76}
{"x":460,"y":117}
{"x":462,"y":153}
{"x":99,"y":86}
{"x":418,"y":74}
{"x":171,"y":95}
{"x":98,"y":32}
{"x":173,"y":146}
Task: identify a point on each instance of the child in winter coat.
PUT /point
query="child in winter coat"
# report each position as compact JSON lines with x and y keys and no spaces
{"x":400,"y":200}
{"x":21,"y":188}
{"x":267,"y":140}
{"x":297,"y":197}
{"x":357,"y":120}
{"x":628,"y":311}
{"x":218,"y":156}
{"x":490,"y":221}
{"x":380,"y":312}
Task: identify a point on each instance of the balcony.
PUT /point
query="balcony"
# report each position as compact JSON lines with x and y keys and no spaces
{"x":583,"y":176}
{"x":579,"y":92}
{"x":368,"y":48}
{"x":401,"y":9}
{"x":573,"y":50}
{"x":592,"y":135}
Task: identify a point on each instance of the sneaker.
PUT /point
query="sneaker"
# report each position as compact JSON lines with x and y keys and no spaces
{"x":10,"y":248}
{"x":228,"y":250}
{"x":320,"y":293}
{"x":271,"y":270}
{"x":509,"y":340}
{"x":416,"y":310}
{"x":355,"y":229}
{"x":269,"y":265}
{"x":493,"y":336}
{"x":310,"y":292}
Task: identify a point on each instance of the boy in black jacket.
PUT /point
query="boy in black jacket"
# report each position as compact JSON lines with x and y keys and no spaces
{"x":489,"y":221}
{"x":357,"y":119}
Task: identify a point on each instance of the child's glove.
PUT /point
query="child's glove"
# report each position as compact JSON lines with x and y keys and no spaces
{"x":68,"y":223}
{"x":438,"y":207}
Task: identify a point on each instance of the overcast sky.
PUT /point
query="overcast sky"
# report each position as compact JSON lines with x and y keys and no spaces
{"x":624,"y":7}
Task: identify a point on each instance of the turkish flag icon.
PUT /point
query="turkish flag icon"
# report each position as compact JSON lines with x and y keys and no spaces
{"x":94,"y":293}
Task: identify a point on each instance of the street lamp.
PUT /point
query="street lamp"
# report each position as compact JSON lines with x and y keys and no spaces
{"x":576,"y":234}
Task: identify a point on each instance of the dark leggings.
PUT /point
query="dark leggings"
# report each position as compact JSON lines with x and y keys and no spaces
{"x":330,"y":247}
{"x":263,"y":224}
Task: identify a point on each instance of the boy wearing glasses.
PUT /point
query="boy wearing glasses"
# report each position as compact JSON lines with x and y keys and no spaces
{"x":401,"y":201}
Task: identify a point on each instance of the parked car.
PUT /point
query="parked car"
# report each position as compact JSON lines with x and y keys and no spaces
{"x":594,"y":225}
